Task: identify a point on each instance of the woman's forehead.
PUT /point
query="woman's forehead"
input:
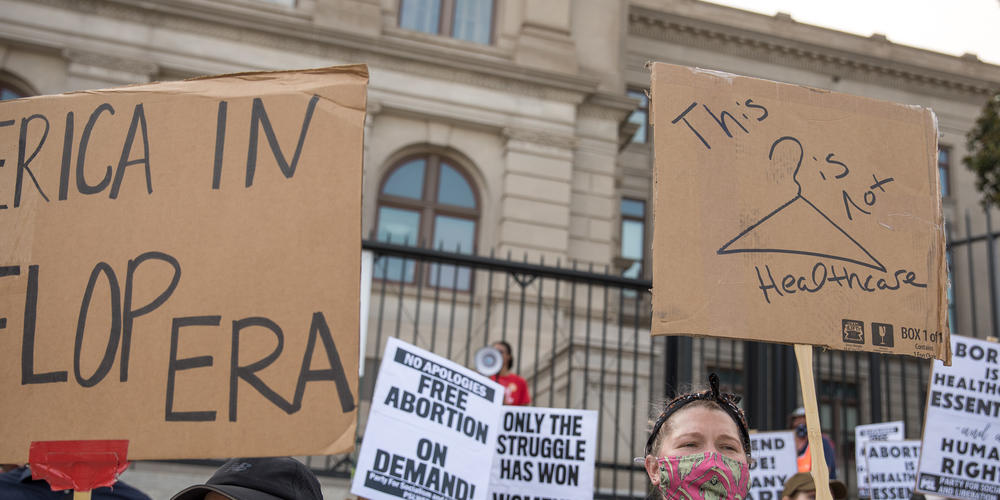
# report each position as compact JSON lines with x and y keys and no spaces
{"x":702,"y":419}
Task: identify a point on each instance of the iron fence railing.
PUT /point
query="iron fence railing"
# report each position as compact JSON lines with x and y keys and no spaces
{"x":580,"y":337}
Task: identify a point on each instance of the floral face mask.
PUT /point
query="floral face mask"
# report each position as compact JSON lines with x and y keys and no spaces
{"x":703,"y":476}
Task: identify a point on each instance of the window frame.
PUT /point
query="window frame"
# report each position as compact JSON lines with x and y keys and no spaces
{"x":446,"y":21}
{"x":645,"y":235}
{"x":944,"y":169}
{"x":429,"y":208}
{"x":642,"y":108}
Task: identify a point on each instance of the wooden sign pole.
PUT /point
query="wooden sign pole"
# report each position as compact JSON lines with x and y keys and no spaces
{"x":820,"y":472}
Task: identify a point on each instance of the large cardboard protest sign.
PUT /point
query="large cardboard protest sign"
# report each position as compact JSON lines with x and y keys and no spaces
{"x":863,"y":434}
{"x":774,"y":461}
{"x":179,"y":265}
{"x":544,"y":453}
{"x":431,"y":431}
{"x":961,"y":442}
{"x":892,"y":469}
{"x":795,"y":215}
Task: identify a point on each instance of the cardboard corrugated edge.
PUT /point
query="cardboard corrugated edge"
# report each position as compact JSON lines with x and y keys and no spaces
{"x":358,"y":70}
{"x":931,"y":131}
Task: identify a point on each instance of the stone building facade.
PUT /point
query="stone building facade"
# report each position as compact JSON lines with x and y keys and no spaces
{"x":529,"y":114}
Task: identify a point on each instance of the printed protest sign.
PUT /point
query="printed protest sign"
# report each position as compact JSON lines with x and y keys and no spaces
{"x":887,"y":431}
{"x":179,"y":265}
{"x":961,"y":443}
{"x":544,"y":453}
{"x":432,"y":429}
{"x":773,"y":463}
{"x":892,"y":469}
{"x":795,"y":215}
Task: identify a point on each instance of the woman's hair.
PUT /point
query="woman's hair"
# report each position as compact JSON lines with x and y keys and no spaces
{"x":510,"y":353}
{"x":712,"y":399}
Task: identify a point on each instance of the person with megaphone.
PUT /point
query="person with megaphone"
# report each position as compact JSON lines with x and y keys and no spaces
{"x":515,"y":388}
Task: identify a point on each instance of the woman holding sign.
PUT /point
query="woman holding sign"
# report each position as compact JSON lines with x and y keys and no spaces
{"x":700,"y":447}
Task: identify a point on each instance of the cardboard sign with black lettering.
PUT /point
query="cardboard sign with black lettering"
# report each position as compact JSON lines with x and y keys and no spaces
{"x":179,"y":265}
{"x":544,"y":453}
{"x":773,"y":463}
{"x":961,"y":442}
{"x":892,"y":469}
{"x":886,"y":431}
{"x":431,"y":431}
{"x":796,"y":215}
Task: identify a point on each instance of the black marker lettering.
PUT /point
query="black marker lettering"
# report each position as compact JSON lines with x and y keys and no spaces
{"x":138,"y":121}
{"x":830,"y":160}
{"x":319,"y":328}
{"x":220,"y":143}
{"x":680,"y":117}
{"x":749,"y":103}
{"x":175,"y":365}
{"x":116,"y":326}
{"x":4,"y":123}
{"x":721,"y":120}
{"x":248,"y":372}
{"x":28,"y":375}
{"x":260,"y":120}
{"x":81,"y":182}
{"x":22,"y":164}
{"x":67,"y":157}
{"x":130,"y":315}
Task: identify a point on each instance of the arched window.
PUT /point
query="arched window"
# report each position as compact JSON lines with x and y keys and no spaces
{"x":9,"y":92}
{"x":427,"y":200}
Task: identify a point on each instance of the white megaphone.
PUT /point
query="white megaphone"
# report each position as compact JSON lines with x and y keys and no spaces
{"x":489,"y":361}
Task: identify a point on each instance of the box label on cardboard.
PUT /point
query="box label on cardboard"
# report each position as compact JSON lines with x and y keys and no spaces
{"x":795,"y":215}
{"x":179,"y":265}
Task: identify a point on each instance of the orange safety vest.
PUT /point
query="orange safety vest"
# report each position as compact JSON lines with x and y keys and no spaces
{"x":805,"y":461}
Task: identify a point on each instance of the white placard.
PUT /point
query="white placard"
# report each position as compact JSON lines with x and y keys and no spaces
{"x":774,"y":461}
{"x":961,"y":441}
{"x":545,"y":453}
{"x":892,"y":469}
{"x":431,"y":431}
{"x":886,"y":431}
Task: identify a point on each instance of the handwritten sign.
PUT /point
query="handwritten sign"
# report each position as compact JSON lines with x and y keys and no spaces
{"x":774,"y":461}
{"x":795,"y":215}
{"x":432,"y":429}
{"x":961,"y":441}
{"x":892,"y":469}
{"x":179,"y":265}
{"x":544,"y":453}
{"x":887,"y":431}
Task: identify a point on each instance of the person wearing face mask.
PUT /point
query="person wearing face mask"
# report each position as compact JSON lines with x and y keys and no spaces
{"x":798,"y":424}
{"x":699,"y":447}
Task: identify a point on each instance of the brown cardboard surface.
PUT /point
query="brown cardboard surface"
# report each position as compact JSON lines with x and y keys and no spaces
{"x":795,"y":215}
{"x":186,"y":266}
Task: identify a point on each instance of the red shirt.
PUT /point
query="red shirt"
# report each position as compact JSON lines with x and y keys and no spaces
{"x":515,"y":389}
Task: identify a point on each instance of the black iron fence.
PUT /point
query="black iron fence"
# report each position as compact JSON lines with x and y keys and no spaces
{"x":580,"y":337}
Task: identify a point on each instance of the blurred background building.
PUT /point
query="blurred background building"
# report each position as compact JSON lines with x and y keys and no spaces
{"x":507,"y":181}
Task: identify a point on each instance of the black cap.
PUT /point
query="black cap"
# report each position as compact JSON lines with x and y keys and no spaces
{"x":281,"y":478}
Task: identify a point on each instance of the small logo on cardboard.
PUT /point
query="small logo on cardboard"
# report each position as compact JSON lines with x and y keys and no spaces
{"x":853,"y":331}
{"x":882,"y":335}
